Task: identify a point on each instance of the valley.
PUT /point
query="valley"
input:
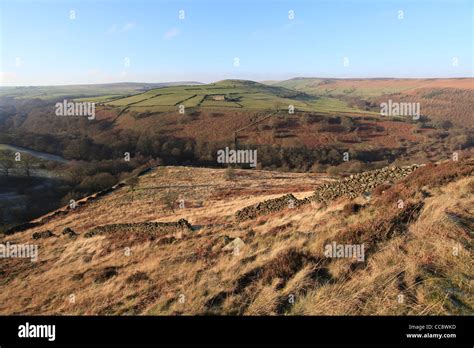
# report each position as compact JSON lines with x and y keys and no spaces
{"x":146,"y":211}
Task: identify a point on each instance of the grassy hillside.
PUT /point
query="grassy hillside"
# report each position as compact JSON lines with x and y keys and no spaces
{"x":417,"y":255}
{"x":370,"y":87}
{"x":439,"y":99}
{"x":232,"y":94}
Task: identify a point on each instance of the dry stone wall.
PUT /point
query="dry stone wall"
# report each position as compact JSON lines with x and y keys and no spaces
{"x":150,"y":228}
{"x":357,"y":184}
{"x":351,"y":187}
{"x":267,"y":207}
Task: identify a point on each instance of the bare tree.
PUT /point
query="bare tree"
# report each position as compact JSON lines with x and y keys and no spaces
{"x":278,"y":106}
{"x":6,"y":162}
{"x":169,"y":199}
{"x":26,"y":164}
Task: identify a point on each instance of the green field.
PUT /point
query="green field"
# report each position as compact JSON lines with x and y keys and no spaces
{"x":236,"y":94}
{"x":220,"y":104}
{"x":194,"y":101}
{"x":166,"y":99}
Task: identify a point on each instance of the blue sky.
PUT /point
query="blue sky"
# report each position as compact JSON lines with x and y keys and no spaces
{"x":41,"y":45}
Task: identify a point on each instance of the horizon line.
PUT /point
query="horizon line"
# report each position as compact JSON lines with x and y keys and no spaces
{"x":237,"y":79}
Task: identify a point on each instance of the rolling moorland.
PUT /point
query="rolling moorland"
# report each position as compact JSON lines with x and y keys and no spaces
{"x":172,"y":231}
{"x":186,"y":123}
{"x":438,"y":97}
{"x":138,"y":249}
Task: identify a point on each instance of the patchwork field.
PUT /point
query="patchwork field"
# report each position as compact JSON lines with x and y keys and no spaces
{"x":228,"y":94}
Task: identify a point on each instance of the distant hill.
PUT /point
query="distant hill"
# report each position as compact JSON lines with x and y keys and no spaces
{"x":86,"y":90}
{"x":444,"y":99}
{"x":369,"y":87}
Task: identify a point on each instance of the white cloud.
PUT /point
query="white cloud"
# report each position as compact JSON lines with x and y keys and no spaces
{"x":171,"y":33}
{"x":128,"y":26}
{"x":112,"y":29}
{"x":121,"y":29}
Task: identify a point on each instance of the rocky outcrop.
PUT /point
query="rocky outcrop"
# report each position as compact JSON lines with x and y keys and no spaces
{"x":235,"y":245}
{"x":149,"y":228}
